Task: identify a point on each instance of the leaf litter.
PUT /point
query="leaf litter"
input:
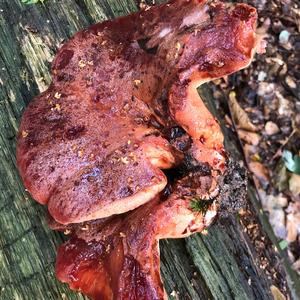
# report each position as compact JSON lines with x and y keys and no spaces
{"x":263,"y":102}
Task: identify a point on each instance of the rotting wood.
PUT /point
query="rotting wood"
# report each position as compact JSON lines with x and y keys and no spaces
{"x":220,"y":265}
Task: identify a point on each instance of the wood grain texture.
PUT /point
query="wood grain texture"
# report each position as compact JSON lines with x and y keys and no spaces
{"x":220,"y":265}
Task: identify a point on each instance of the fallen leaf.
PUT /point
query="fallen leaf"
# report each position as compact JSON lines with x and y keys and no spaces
{"x":260,"y":172}
{"x":283,"y":244}
{"x":276,"y":293}
{"x":292,"y":163}
{"x":280,"y":176}
{"x":239,"y":116}
{"x":250,"y":151}
{"x":293,"y":221}
{"x":251,"y":138}
{"x":32,"y":1}
{"x":291,"y":226}
{"x":294,"y":184}
{"x":228,"y":120}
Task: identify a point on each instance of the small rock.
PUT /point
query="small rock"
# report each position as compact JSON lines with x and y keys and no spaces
{"x":285,"y":125}
{"x":282,"y":201}
{"x":261,"y":76}
{"x":274,"y":206}
{"x":284,"y":37}
{"x":290,"y":82}
{"x":271,"y":128}
{"x":277,"y":220}
{"x":271,"y":202}
{"x":277,"y":26}
{"x":174,"y":294}
{"x":285,"y":106}
{"x":265,"y":88}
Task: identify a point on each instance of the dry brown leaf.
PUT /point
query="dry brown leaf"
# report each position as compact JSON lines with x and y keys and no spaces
{"x":259,"y":171}
{"x":228,"y":121}
{"x":239,"y":116}
{"x":291,"y":227}
{"x":249,"y":151}
{"x":277,"y":293}
{"x":251,"y":138}
{"x":294,"y":184}
{"x":293,"y":221}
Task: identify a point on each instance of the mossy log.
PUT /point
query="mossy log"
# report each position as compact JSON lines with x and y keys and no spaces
{"x":223,"y":264}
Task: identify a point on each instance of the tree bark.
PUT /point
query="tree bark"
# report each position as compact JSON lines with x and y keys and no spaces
{"x":223,"y":264}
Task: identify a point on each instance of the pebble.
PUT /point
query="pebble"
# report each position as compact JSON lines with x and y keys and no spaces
{"x":265,"y":88}
{"x":271,"y":128}
{"x":277,"y":220}
{"x":277,"y":26}
{"x":261,"y":76}
{"x":281,"y":200}
{"x":290,"y":82}
{"x":284,"y":37}
{"x":285,"y":106}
